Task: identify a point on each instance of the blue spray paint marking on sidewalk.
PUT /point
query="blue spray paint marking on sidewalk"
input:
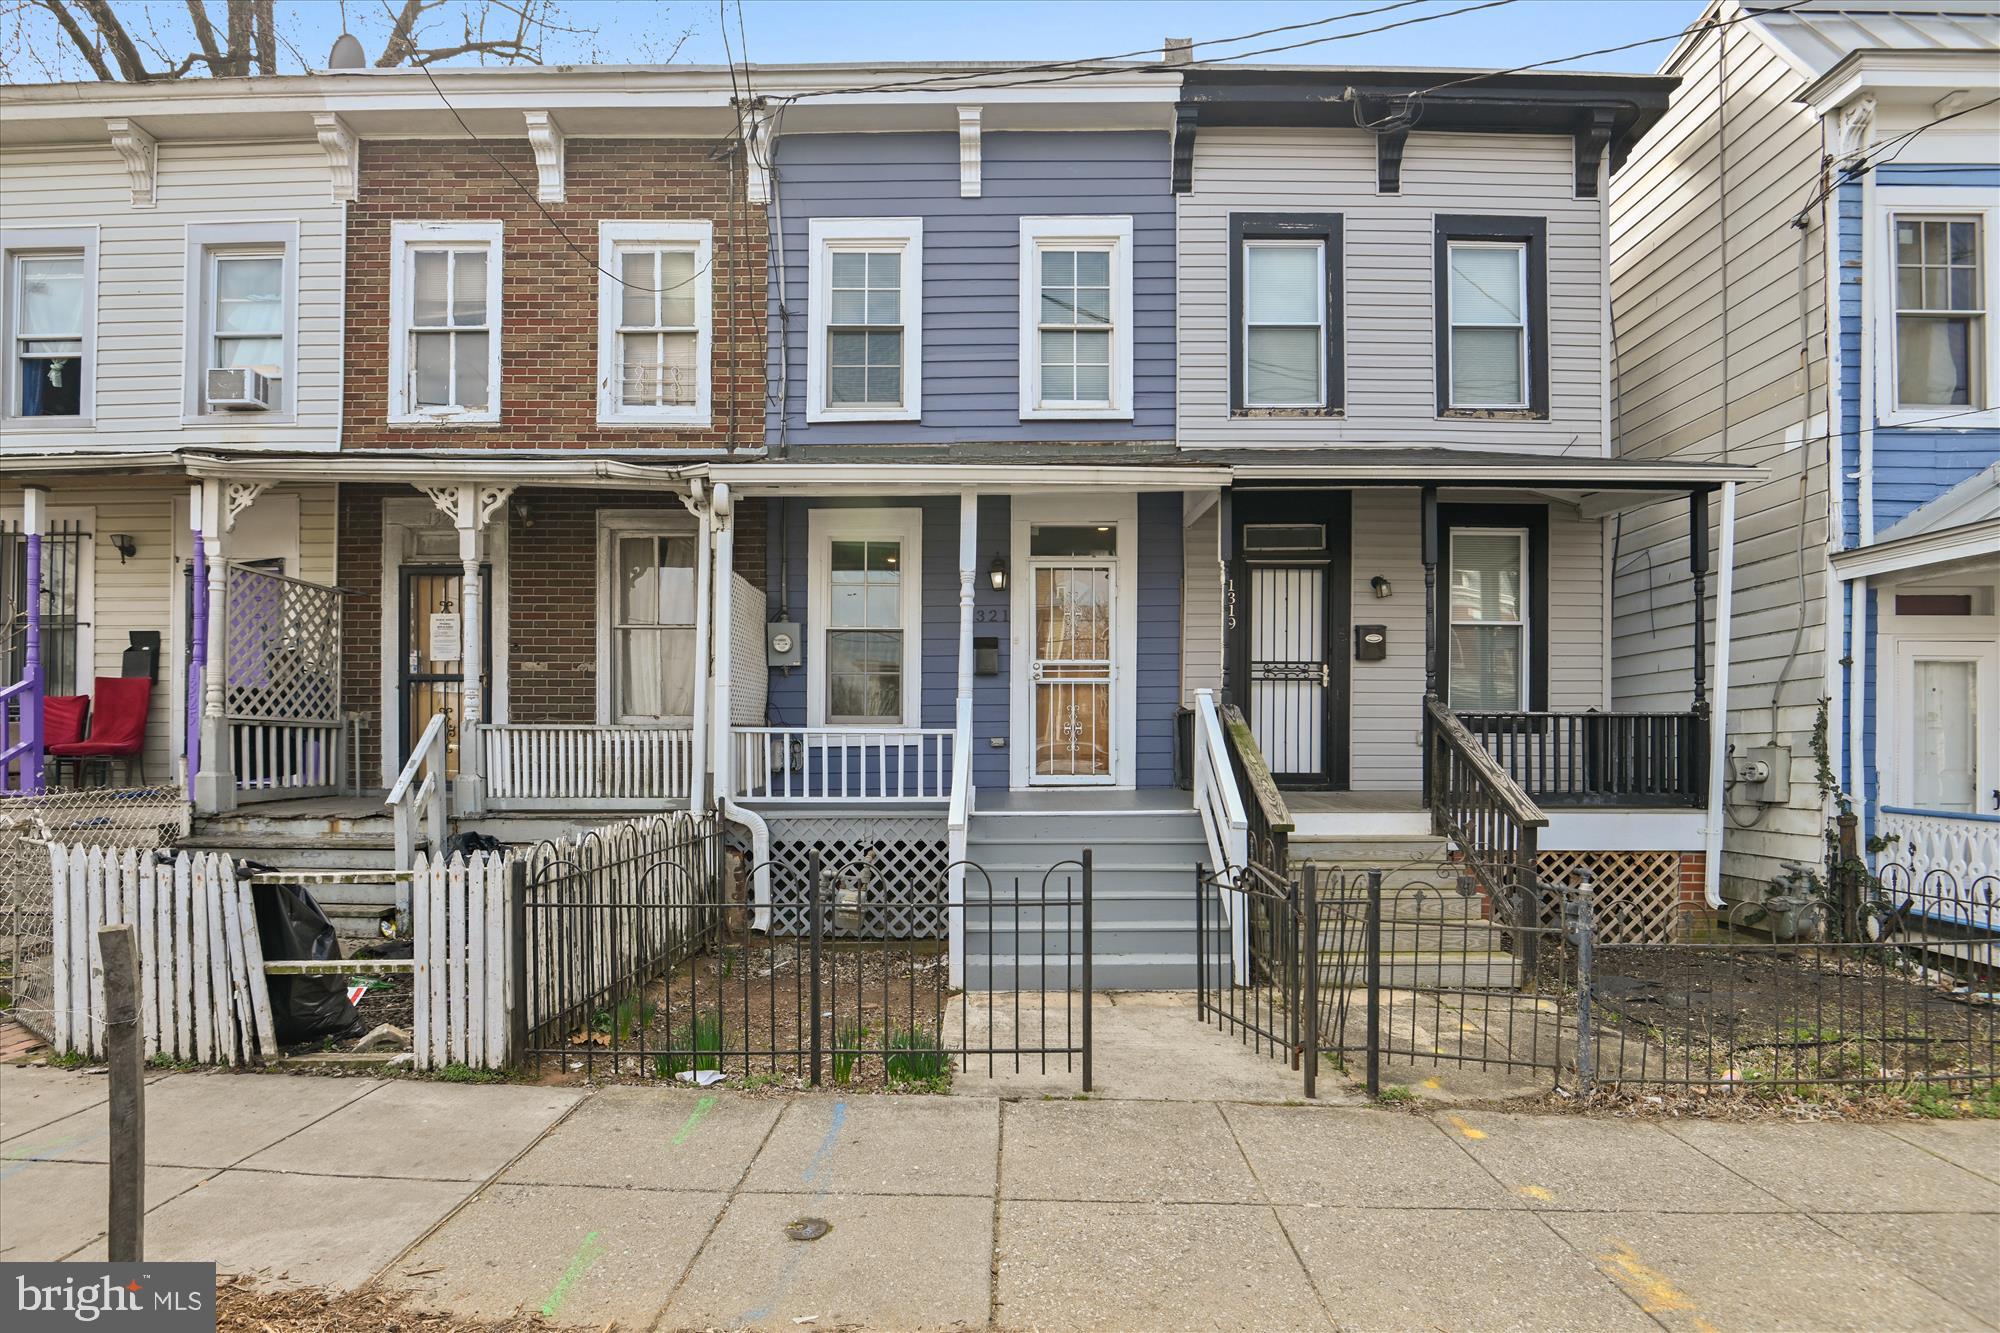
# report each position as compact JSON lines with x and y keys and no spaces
{"x":20,"y":1159}
{"x":796,"y":1251}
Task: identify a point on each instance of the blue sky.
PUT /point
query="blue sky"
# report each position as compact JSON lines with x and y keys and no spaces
{"x":1513,"y":32}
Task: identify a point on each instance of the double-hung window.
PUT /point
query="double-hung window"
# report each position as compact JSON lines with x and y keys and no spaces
{"x":49,"y":318}
{"x":866,"y":340}
{"x":1490,"y":312}
{"x":862,"y":670}
{"x":444,"y":348}
{"x":654,"y":332}
{"x":1940,"y":311}
{"x":1488,"y":580}
{"x":1285,"y":335}
{"x":241,"y":314}
{"x":1076,"y":317}
{"x":651,"y":653}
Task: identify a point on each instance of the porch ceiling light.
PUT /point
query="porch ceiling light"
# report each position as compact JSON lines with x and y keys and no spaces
{"x":997,"y":574}
{"x":1380,"y":585}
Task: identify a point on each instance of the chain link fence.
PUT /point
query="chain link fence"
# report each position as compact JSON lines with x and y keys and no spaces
{"x":115,"y":817}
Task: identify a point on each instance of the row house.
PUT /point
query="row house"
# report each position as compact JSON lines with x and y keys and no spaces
{"x":925,"y":467}
{"x":1803,"y":255}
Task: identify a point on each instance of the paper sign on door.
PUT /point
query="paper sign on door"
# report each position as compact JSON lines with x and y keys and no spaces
{"x":445,"y":637}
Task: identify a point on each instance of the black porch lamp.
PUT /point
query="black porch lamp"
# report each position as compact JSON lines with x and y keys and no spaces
{"x":997,"y":574}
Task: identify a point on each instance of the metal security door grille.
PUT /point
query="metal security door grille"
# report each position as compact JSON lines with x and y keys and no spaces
{"x":432,"y":684}
{"x":1290,"y":675}
{"x":61,"y":602}
{"x":1072,"y":672}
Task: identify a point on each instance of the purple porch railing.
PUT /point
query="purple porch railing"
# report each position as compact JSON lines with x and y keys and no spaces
{"x":21,"y":702}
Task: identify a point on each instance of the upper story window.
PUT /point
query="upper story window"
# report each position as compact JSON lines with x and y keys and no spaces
{"x":49,"y":316}
{"x":1940,"y":311}
{"x":242,"y":321}
{"x":865,"y":346}
{"x":655,"y":322}
{"x":1076,"y":318}
{"x":444,"y":339}
{"x":1490,"y":307}
{"x":1285,"y":315}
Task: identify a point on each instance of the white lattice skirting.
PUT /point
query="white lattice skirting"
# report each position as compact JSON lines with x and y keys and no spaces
{"x":894,"y":863}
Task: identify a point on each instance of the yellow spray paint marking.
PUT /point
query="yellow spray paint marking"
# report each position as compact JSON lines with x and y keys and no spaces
{"x":1649,"y":1286}
{"x":1536,"y":1192}
{"x":1458,"y":1123}
{"x":1432,"y":1084}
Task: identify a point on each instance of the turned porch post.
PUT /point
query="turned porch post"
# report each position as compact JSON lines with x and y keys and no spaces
{"x":215,"y":780}
{"x":968,"y":572}
{"x":1427,"y":523}
{"x":34,"y":518}
{"x":724,"y":509}
{"x":197,"y":643}
{"x":471,"y":660}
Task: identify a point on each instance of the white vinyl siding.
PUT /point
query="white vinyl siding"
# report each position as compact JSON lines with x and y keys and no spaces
{"x":1667,"y":247}
{"x":138,"y":378}
{"x":1387,"y":276}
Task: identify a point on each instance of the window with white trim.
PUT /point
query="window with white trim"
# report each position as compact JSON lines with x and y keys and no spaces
{"x":1076,"y":317}
{"x":444,"y":347}
{"x":1940,"y":295}
{"x":865,"y":344}
{"x":866,"y":576}
{"x":49,"y":314}
{"x":648,"y":608}
{"x":1488,"y":310}
{"x":655,"y":325}
{"x":242,"y":314}
{"x":1488,"y":584}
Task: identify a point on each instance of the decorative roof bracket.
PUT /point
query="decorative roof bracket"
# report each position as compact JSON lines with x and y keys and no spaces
{"x":1185,"y":119}
{"x":1389,"y":159}
{"x":1592,"y":137}
{"x":343,"y":155}
{"x":141,"y":153}
{"x":968,"y":152}
{"x":547,"y":138}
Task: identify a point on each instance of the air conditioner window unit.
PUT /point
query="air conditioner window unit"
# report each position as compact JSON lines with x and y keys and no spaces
{"x":240,"y":389}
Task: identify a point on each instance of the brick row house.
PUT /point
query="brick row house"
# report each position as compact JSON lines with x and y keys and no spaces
{"x":923,"y":466}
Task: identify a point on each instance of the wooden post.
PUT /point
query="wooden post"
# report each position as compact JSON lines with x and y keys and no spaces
{"x":124,"y":1048}
{"x":1428,"y":537}
{"x":1698,"y":567}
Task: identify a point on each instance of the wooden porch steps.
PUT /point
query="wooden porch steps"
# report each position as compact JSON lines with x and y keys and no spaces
{"x":322,"y":836}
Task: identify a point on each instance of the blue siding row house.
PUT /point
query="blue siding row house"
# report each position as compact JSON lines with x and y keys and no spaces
{"x":1805,"y":282}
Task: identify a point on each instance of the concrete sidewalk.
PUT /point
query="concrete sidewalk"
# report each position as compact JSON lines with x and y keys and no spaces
{"x":668,"y":1208}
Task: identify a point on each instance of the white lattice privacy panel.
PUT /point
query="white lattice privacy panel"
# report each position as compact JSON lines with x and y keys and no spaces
{"x":1637,"y":894}
{"x":283,"y":645}
{"x":897,"y":863}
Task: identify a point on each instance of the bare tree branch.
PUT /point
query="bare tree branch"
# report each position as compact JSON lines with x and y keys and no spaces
{"x":113,"y":33}
{"x":204,"y":31}
{"x":79,"y":39}
{"x":264,"y":27}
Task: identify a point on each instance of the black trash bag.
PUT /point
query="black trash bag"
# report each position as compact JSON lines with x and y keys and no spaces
{"x":292,"y":928}
{"x":465,"y":844}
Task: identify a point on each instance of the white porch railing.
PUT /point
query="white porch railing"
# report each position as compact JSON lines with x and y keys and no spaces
{"x":1950,"y":863}
{"x":549,"y":767}
{"x":288,"y":758}
{"x":415,"y":797}
{"x":1224,"y":822}
{"x":841,"y":764}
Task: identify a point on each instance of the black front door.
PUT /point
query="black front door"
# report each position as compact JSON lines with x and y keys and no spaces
{"x":431,"y":655}
{"x":1288,"y":631}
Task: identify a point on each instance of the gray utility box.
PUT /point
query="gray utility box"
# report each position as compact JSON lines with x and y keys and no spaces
{"x":781,"y":644}
{"x":1763,"y":774}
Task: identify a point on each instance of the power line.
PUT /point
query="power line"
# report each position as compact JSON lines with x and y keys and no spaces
{"x":1873,"y":157}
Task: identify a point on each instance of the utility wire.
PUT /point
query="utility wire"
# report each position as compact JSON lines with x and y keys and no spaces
{"x":1874,"y":157}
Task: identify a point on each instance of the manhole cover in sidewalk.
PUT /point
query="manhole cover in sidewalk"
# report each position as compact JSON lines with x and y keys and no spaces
{"x":808,"y":1228}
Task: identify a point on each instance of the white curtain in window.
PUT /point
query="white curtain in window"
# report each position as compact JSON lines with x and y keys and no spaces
{"x":654,"y":628}
{"x":250,"y":311}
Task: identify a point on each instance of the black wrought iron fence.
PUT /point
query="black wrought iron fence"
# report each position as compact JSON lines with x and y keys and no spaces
{"x":1256,"y":976}
{"x":633,"y":968}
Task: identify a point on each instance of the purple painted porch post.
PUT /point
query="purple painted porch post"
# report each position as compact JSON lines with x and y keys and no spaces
{"x":198,"y":661}
{"x":31,"y":667}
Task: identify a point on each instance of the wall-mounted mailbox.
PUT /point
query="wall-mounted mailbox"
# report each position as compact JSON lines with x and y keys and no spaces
{"x":986,"y":657}
{"x":1371,"y":643}
{"x":781,"y":644}
{"x":143,"y":657}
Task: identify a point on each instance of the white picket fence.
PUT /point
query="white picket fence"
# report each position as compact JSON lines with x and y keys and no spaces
{"x":463,"y":943}
{"x":203,"y":996}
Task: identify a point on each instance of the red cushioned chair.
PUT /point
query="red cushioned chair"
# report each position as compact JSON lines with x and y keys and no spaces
{"x":63,"y":716}
{"x":118,"y":728}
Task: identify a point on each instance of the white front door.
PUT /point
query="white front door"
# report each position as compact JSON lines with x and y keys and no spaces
{"x":1075,"y":625}
{"x":1945,"y":715}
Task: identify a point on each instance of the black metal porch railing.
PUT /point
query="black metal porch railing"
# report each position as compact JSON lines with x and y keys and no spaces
{"x":1269,"y":820}
{"x":1598,"y":758}
{"x":1495,"y":826}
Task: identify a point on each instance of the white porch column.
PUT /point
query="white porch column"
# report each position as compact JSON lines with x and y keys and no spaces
{"x":704,"y":681}
{"x":471,"y":508}
{"x":968,"y":572}
{"x":1718,"y":750}
{"x":725,"y":547}
{"x":215,"y":780}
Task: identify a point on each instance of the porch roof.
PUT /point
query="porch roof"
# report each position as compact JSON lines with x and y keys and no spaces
{"x":1366,"y":466}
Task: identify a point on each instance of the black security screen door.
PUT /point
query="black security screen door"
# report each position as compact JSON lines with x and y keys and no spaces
{"x":1289,"y":632}
{"x":431,"y":654}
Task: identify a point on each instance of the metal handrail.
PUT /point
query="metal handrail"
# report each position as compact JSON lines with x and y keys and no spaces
{"x":403,"y":804}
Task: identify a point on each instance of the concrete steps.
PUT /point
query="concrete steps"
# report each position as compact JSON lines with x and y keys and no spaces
{"x":1434,"y":937}
{"x":1142,"y":890}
